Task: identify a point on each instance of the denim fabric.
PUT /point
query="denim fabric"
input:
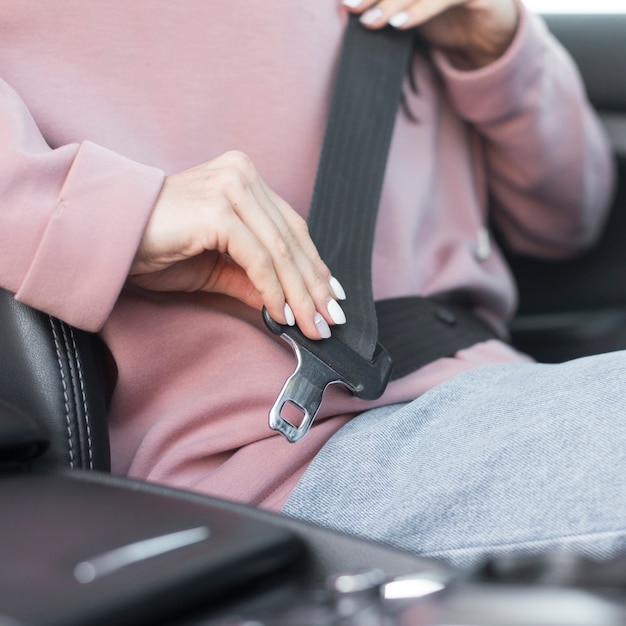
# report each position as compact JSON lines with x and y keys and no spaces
{"x":506,"y":458}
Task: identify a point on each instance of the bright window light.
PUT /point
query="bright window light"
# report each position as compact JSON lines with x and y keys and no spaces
{"x":577,"y":6}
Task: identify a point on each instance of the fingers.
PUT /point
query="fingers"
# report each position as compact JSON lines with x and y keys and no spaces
{"x":265,"y":236}
{"x":473,"y":33}
{"x":401,"y":14}
{"x":209,"y":271}
{"x":229,"y":278}
{"x":315,"y":270}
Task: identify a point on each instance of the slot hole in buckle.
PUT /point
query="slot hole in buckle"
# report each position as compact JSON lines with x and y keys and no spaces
{"x":293,"y":414}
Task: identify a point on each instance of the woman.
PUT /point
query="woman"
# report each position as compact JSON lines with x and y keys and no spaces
{"x":157,"y":166}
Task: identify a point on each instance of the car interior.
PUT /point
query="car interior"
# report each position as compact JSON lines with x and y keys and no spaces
{"x":80,"y":546}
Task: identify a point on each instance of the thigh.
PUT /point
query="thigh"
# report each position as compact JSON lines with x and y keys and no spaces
{"x":504,"y":458}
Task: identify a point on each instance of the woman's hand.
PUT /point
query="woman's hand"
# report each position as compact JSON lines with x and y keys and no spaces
{"x":219,"y":228}
{"x":473,"y":33}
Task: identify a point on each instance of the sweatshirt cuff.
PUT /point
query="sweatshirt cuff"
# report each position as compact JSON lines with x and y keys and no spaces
{"x":83,"y":258}
{"x":497,"y":90}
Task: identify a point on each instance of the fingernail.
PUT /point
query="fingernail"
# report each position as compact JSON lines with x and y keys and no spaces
{"x":352,"y":4}
{"x":371,"y":16}
{"x":399,"y":19}
{"x":336,"y":312}
{"x":322,"y":326}
{"x":289,"y":316}
{"x":335,"y":285}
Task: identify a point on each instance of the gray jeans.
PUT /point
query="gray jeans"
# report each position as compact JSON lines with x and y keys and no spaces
{"x":505,"y":458}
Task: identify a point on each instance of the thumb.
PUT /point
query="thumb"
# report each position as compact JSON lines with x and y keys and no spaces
{"x":230,"y":279}
{"x":211,"y":272}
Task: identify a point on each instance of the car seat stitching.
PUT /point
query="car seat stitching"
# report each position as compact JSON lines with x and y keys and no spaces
{"x":81,"y":382}
{"x":65,"y":396}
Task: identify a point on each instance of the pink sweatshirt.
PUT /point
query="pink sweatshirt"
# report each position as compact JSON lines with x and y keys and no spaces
{"x":101,"y":100}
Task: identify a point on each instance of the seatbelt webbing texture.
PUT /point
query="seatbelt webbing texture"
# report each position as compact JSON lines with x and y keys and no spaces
{"x":416,"y":331}
{"x":347,"y":191}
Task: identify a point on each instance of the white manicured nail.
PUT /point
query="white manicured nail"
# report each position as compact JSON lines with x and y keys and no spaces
{"x":371,"y":16}
{"x":322,"y":326}
{"x":336,"y":312}
{"x":352,"y":4}
{"x":335,"y":285}
{"x":399,"y":19}
{"x":289,"y":316}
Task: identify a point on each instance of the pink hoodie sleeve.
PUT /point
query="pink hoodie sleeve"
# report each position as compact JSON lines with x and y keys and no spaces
{"x":549,"y":165}
{"x":70,"y":219}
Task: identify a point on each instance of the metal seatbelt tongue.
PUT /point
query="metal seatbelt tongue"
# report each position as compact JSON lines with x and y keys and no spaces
{"x":321,"y":364}
{"x":342,"y":220}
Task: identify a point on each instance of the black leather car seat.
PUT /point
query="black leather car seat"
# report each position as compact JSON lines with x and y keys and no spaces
{"x":53,"y":373}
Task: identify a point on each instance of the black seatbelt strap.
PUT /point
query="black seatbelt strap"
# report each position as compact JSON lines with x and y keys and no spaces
{"x":342,"y":221}
{"x":349,"y":180}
